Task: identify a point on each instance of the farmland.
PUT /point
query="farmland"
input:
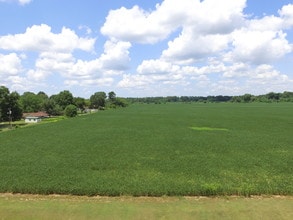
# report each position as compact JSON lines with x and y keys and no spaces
{"x":155,"y":150}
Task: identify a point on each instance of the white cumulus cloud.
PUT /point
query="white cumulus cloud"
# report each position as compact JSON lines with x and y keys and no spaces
{"x":156,"y":67}
{"x":286,"y":14}
{"x":135,"y":25}
{"x":116,"y":55}
{"x":10,"y":64}
{"x":259,"y":47}
{"x":41,"y":38}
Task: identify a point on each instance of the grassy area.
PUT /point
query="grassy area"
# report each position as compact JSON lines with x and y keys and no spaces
{"x":6,"y":126}
{"x":68,"y":207}
{"x":155,"y":150}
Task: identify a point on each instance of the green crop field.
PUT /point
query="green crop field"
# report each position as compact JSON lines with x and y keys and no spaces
{"x":155,"y":150}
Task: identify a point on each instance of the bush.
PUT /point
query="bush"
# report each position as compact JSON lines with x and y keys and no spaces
{"x":71,"y":111}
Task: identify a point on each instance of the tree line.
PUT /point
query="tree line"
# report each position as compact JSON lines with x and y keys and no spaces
{"x":13,"y":105}
{"x":246,"y":98}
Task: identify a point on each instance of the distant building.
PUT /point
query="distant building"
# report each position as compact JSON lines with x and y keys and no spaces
{"x":34,"y":117}
{"x":88,"y":110}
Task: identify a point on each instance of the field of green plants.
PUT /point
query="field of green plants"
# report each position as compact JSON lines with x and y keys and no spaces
{"x":154,"y":150}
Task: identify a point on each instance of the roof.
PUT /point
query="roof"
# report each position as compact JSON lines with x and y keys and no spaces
{"x":35,"y":114}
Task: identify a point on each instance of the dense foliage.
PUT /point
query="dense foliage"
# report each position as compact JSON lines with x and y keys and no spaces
{"x":71,"y":111}
{"x":9,"y":106}
{"x":54,"y":105}
{"x":246,"y":98}
{"x":154,"y":150}
{"x":98,"y":100}
{"x":31,"y":102}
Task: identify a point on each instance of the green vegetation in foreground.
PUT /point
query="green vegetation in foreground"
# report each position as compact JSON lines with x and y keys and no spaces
{"x":65,"y":207}
{"x":150,"y":150}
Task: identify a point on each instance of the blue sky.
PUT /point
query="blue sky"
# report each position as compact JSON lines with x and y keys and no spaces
{"x":147,"y":48}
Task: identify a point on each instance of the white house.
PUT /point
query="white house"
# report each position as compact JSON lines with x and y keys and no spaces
{"x":32,"y":119}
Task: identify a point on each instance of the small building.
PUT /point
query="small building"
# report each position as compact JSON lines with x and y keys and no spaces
{"x":32,"y":119}
{"x":88,"y":110}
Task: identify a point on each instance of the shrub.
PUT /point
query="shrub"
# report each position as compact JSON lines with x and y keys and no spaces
{"x":71,"y":111}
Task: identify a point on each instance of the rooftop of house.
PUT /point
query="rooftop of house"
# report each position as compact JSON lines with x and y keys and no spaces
{"x":35,"y":114}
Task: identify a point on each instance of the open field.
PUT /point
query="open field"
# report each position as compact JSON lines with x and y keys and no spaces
{"x":73,"y":207}
{"x":155,"y":150}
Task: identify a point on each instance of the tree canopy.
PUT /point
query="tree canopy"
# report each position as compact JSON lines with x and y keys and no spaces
{"x":9,"y":105}
{"x":98,"y":100}
{"x":63,"y":99}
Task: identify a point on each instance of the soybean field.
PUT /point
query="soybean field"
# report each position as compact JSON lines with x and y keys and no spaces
{"x":171,"y":149}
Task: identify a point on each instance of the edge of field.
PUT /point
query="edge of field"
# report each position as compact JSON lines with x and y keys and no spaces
{"x":30,"y":206}
{"x":123,"y":198}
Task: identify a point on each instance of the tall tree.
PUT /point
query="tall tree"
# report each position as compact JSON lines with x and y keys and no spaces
{"x":63,"y":99}
{"x":4,"y":103}
{"x":79,"y":103}
{"x":98,"y":100}
{"x":111,"y":96}
{"x":52,"y":108}
{"x":9,"y":105}
{"x":31,"y":102}
{"x":44,"y":97}
{"x":15,"y":107}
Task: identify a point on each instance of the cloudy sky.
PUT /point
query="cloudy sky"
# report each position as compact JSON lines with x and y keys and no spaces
{"x":143,"y":48}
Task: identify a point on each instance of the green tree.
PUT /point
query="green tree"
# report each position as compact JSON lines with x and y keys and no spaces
{"x":247,"y":97}
{"x":30,"y":102}
{"x":111,"y":102}
{"x":172,"y":99}
{"x":52,"y":108}
{"x":273,"y":96}
{"x":44,"y":97}
{"x":120,"y":102}
{"x":9,"y":103}
{"x":63,"y":99}
{"x":15,"y":107}
{"x":112,"y":96}
{"x":114,"y":101}
{"x":184,"y":99}
{"x":4,"y":103}
{"x":98,"y":100}
{"x":236,"y":99}
{"x":79,"y":103}
{"x":287,"y":96}
{"x":71,"y":111}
